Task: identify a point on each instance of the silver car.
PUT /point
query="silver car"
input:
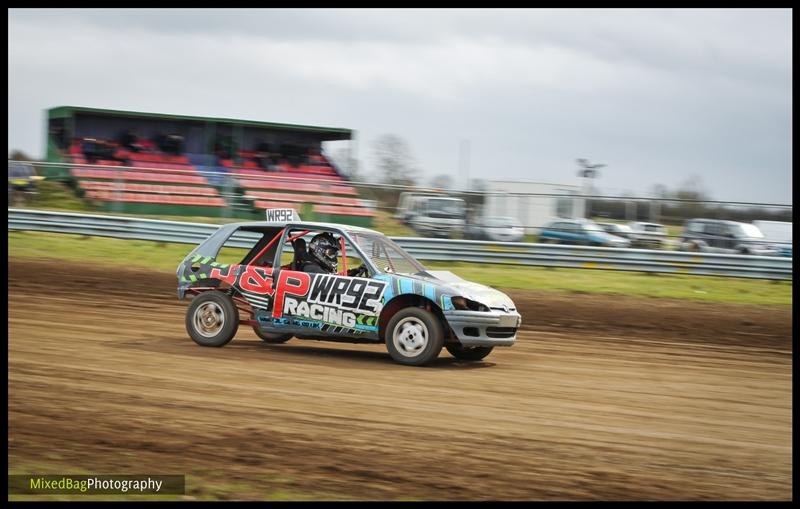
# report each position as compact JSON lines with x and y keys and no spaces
{"x":648,"y":235}
{"x":496,"y":228}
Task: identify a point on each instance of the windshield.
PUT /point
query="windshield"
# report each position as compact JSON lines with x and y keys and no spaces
{"x":751,"y":231}
{"x":385,"y":254}
{"x":442,"y":207}
{"x":652,"y":228}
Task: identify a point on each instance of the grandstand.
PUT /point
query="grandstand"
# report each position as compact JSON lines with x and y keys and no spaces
{"x":149,"y":163}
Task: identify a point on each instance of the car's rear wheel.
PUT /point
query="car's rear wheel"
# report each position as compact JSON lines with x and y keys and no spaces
{"x":212,"y":319}
{"x":272,"y":338}
{"x":414,"y":336}
{"x":467,"y":353}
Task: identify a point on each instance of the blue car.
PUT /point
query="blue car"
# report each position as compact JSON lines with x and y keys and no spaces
{"x":579,"y":232}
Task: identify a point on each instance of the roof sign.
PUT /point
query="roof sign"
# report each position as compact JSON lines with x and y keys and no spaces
{"x":282,"y":215}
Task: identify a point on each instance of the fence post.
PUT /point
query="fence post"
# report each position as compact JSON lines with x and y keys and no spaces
{"x":227,"y":195}
{"x":118,"y":184}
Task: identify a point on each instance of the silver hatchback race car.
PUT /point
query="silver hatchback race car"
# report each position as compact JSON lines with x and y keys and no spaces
{"x":285,"y":286}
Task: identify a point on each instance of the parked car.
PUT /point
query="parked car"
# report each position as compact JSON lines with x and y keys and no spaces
{"x":581,"y":232}
{"x":648,"y":235}
{"x":22,"y":178}
{"x":718,"y":236}
{"x":620,"y":230}
{"x":437,"y":216}
{"x":498,"y":229}
{"x":779,"y":233}
{"x":385,"y":297}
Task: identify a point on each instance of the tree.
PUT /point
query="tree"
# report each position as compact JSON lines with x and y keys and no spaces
{"x":394,"y":161}
{"x":659,"y":191}
{"x":18,"y":155}
{"x":343,"y":159}
{"x":442,"y":181}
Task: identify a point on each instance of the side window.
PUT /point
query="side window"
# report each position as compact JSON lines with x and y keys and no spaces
{"x":297,"y":239}
{"x":240,"y":245}
{"x":298,"y":242}
{"x":713,"y":229}
{"x":353,"y":258}
{"x":695,"y":227}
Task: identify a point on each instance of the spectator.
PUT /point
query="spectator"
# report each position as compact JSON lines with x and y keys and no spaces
{"x":174,"y":144}
{"x":89,"y":149}
{"x":130,"y":141}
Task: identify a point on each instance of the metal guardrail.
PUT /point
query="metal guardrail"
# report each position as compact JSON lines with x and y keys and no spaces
{"x":502,"y":253}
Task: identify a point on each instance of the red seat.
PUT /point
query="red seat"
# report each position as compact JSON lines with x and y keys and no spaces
{"x":129,"y":175}
{"x":304,"y":198}
{"x":203,"y":201}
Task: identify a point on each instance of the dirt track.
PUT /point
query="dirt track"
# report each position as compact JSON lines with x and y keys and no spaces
{"x":601,"y":398}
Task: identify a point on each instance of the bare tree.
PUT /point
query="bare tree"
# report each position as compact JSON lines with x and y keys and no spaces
{"x":18,"y":155}
{"x":442,"y":181}
{"x":394,"y":161}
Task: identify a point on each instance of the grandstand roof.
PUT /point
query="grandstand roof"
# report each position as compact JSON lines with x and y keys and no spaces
{"x":67,"y":111}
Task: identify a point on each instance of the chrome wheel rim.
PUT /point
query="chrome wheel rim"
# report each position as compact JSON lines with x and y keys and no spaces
{"x":410,"y":336}
{"x":209,"y":319}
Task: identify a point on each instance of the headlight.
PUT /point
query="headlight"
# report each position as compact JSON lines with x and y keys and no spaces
{"x":465,"y":304}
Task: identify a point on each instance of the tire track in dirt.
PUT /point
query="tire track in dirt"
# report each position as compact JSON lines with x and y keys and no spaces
{"x":113,"y":384}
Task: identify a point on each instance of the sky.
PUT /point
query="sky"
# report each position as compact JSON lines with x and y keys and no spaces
{"x":659,"y":96}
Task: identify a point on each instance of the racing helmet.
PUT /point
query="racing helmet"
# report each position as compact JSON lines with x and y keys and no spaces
{"x":324,"y":248}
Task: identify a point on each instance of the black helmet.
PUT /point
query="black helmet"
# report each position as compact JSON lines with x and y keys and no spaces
{"x":324,"y":248}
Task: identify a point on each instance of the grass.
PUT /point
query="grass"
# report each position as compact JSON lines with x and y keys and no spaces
{"x":700,"y":288}
{"x":54,"y":195}
{"x":391,"y":227}
{"x":165,"y":257}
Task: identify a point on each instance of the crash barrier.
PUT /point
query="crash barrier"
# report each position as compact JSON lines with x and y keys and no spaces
{"x":445,"y":250}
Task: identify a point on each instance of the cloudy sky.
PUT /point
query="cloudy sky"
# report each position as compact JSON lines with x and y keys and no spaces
{"x":657,"y":95}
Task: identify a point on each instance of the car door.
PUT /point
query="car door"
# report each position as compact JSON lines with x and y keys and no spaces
{"x":560,"y":232}
{"x":317,"y":303}
{"x":727,"y":239}
{"x":569,"y":232}
{"x":713,"y":236}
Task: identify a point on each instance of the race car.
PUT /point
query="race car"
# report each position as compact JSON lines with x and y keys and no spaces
{"x":386,"y":295}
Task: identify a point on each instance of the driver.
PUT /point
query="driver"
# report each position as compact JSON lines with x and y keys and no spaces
{"x":323,"y":252}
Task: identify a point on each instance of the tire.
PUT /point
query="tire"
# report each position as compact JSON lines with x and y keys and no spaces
{"x":465,"y":353}
{"x":271,"y":338}
{"x":414,"y":336}
{"x":212,"y":319}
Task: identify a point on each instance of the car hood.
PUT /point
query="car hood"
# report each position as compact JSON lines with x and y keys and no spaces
{"x":460,"y":287}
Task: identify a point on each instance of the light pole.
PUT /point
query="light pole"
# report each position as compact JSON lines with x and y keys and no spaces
{"x":587,"y":171}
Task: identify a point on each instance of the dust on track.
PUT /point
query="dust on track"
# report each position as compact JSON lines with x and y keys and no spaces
{"x":601,"y":398}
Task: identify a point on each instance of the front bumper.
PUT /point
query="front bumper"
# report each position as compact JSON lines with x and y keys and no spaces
{"x":484,"y":328}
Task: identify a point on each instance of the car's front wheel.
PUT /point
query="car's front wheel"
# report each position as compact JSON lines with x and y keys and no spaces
{"x":467,"y":353}
{"x":414,"y":336}
{"x":212,"y":319}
